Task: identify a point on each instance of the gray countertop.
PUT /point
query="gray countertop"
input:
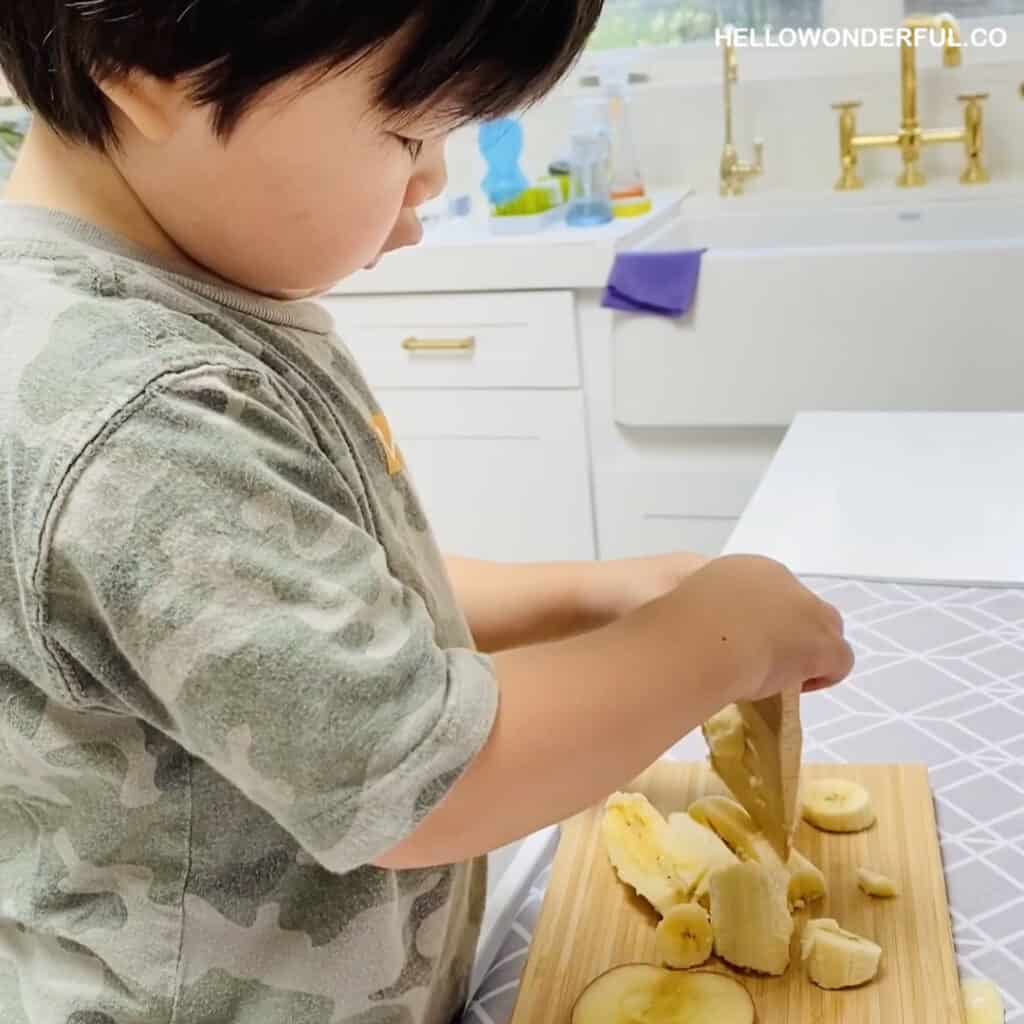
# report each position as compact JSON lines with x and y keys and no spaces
{"x":939,"y":680}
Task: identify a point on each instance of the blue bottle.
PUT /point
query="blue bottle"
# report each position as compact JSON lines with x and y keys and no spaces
{"x":501,"y":145}
{"x":591,"y":161}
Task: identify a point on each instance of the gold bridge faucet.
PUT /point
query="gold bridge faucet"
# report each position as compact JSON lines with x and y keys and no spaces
{"x":733,"y":172}
{"x":911,"y":138}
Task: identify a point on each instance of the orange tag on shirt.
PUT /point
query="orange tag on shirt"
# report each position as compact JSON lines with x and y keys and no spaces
{"x":394,"y":457}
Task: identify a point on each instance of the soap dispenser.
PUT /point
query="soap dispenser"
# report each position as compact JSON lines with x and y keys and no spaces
{"x":628,"y":192}
{"x":590,"y":161}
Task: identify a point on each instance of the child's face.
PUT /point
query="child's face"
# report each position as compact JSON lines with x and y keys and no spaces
{"x":311,"y":186}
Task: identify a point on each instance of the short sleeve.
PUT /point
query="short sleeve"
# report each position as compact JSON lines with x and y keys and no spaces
{"x":210,"y":571}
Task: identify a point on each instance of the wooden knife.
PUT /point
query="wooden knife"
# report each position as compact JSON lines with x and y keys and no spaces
{"x":760,"y":761}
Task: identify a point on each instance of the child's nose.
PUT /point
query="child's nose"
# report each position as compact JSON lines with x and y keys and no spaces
{"x":431,"y":177}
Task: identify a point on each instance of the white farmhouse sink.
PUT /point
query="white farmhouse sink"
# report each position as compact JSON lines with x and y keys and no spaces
{"x":834,"y":303}
{"x":902,"y":220}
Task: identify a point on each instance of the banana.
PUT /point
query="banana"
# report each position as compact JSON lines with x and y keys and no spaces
{"x":806,"y":881}
{"x":750,"y":918}
{"x":735,"y":827}
{"x":725,"y":733}
{"x":837,"y":805}
{"x":982,"y":1001}
{"x":683,"y":937}
{"x":876,"y":884}
{"x":704,"y":847}
{"x":836,"y":958}
{"x":647,"y":854}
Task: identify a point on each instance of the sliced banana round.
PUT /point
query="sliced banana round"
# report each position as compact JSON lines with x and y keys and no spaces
{"x":837,"y":805}
{"x":684,"y":937}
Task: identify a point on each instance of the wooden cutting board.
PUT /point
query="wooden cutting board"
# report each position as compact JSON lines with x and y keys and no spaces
{"x":591,"y":921}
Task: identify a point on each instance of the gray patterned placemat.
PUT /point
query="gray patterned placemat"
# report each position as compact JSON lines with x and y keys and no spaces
{"x":940,"y":680}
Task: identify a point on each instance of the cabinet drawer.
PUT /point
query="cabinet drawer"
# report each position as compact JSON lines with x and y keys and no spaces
{"x":479,"y":340}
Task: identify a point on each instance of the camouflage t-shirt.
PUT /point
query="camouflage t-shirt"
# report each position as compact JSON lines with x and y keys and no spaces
{"x":232,"y":669}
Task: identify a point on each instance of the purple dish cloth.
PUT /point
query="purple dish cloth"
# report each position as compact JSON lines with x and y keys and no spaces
{"x":663,"y":283}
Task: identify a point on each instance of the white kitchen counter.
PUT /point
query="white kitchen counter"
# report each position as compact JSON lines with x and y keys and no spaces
{"x":463,"y":255}
{"x":915,"y":497}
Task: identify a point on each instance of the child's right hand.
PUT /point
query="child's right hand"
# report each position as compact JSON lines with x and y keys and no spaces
{"x":783,"y":636}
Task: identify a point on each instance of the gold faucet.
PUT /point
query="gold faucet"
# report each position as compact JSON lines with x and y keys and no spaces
{"x":733,"y":172}
{"x":911,"y":139}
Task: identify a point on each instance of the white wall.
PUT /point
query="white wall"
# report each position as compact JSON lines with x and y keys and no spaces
{"x":678,"y":125}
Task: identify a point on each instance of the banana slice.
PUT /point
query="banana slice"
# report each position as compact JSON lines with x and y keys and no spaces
{"x":982,"y":1001}
{"x":837,"y":805}
{"x":704,"y":847}
{"x":750,"y":918}
{"x":806,"y":881}
{"x":874,"y":883}
{"x":647,"y":854}
{"x":683,"y":937}
{"x":836,"y":958}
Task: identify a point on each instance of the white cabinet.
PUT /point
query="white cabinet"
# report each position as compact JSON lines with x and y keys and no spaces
{"x":503,"y":475}
{"x":653,"y":511}
{"x":484,"y":396}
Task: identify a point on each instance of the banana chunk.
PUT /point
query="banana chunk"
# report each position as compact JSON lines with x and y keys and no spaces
{"x":647,"y":854}
{"x":806,"y":881}
{"x":706,"y":849}
{"x":982,"y":1001}
{"x":874,"y":883}
{"x":750,"y":918}
{"x":837,"y":805}
{"x":836,"y":958}
{"x":684,"y":938}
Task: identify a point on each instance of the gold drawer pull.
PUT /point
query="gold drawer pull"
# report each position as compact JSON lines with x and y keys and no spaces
{"x":439,"y":344}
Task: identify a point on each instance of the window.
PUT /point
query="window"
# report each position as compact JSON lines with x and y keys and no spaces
{"x":626,"y":24}
{"x":966,"y":8}
{"x":630,"y":23}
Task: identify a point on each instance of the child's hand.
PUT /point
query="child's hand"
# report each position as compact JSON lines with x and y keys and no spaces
{"x":616,"y":588}
{"x":782,"y":633}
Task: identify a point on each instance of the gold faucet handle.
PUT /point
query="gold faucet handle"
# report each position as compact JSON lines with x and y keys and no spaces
{"x":848,"y":105}
{"x":974,"y":139}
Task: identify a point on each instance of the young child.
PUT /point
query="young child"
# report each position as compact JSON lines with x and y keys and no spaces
{"x":254,"y":734}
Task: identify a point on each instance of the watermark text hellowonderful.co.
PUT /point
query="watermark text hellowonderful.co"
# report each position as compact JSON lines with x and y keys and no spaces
{"x":858,"y":38}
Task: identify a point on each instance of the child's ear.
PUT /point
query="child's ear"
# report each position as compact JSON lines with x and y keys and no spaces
{"x":154,"y":106}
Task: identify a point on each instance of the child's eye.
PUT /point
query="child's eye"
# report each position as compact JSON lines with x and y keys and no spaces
{"x":413,"y":146}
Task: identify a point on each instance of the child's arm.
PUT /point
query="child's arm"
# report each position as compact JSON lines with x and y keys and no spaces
{"x":581,"y":717}
{"x":207,"y":570}
{"x":512,"y":605}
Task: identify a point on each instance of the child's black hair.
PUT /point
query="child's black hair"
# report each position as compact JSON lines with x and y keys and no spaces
{"x":476,"y":58}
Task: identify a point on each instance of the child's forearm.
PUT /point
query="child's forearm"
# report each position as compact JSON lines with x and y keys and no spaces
{"x":514,"y":605}
{"x":578,"y":719}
